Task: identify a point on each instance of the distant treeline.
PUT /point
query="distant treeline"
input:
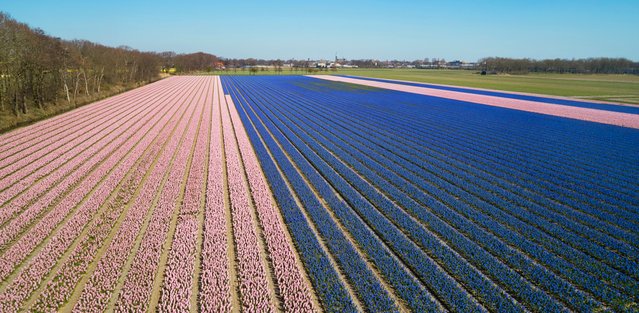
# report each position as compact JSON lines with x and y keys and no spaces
{"x":580,"y":66}
{"x":192,"y":62}
{"x":490,"y":65}
{"x":38,"y":70}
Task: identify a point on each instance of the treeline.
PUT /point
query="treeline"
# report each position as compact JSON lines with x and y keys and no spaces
{"x":248,"y":62}
{"x":192,"y":62}
{"x":577,"y":66}
{"x":491,"y":65}
{"x":39,"y":71}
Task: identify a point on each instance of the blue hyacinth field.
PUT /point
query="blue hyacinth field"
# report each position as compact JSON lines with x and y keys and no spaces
{"x":408,"y":202}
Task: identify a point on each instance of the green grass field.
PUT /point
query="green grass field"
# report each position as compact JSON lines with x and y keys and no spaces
{"x":615,"y":88}
{"x":604,"y":87}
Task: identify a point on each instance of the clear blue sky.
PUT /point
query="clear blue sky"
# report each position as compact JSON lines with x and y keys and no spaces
{"x":301,"y":29}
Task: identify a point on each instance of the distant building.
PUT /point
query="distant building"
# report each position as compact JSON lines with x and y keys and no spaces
{"x":321,"y":64}
{"x":469,"y":65}
{"x":458,"y":64}
{"x":454,"y":64}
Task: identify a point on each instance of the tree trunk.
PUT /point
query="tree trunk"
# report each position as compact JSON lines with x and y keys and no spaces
{"x":14,"y":106}
{"x":66,"y":86}
{"x":3,"y":92}
{"x":132,"y":72}
{"x":24,"y":103}
{"x":38,"y":91}
{"x":95,"y":83}
{"x":75,"y":89}
{"x":86,"y":82}
{"x":66,"y":89}
{"x":43,"y":96}
{"x":99,"y":80}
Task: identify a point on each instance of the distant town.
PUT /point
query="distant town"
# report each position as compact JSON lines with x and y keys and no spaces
{"x":425,"y":63}
{"x":337,"y":63}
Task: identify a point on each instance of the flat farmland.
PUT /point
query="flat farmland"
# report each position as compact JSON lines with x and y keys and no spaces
{"x":322,"y":194}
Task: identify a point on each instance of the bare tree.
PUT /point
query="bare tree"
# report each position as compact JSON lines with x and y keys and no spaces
{"x":37,"y":69}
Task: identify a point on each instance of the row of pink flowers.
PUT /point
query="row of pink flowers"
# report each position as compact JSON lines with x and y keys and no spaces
{"x":100,"y":286}
{"x":67,"y":185}
{"x":106,"y":178}
{"x":178,"y":276}
{"x":580,"y":113}
{"x":60,"y":287}
{"x":16,"y":139}
{"x":28,"y":166}
{"x":252,"y":274}
{"x":58,"y":133}
{"x":215,"y":286}
{"x":295,"y":292}
{"x":47,"y":171}
{"x":64,"y":229}
{"x":138,"y":286}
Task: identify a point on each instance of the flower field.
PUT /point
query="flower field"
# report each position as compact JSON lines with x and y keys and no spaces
{"x":149,"y":200}
{"x":430,"y":201}
{"x":327,"y":193}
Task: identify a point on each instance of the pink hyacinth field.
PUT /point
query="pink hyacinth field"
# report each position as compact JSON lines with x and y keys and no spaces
{"x":151,"y":200}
